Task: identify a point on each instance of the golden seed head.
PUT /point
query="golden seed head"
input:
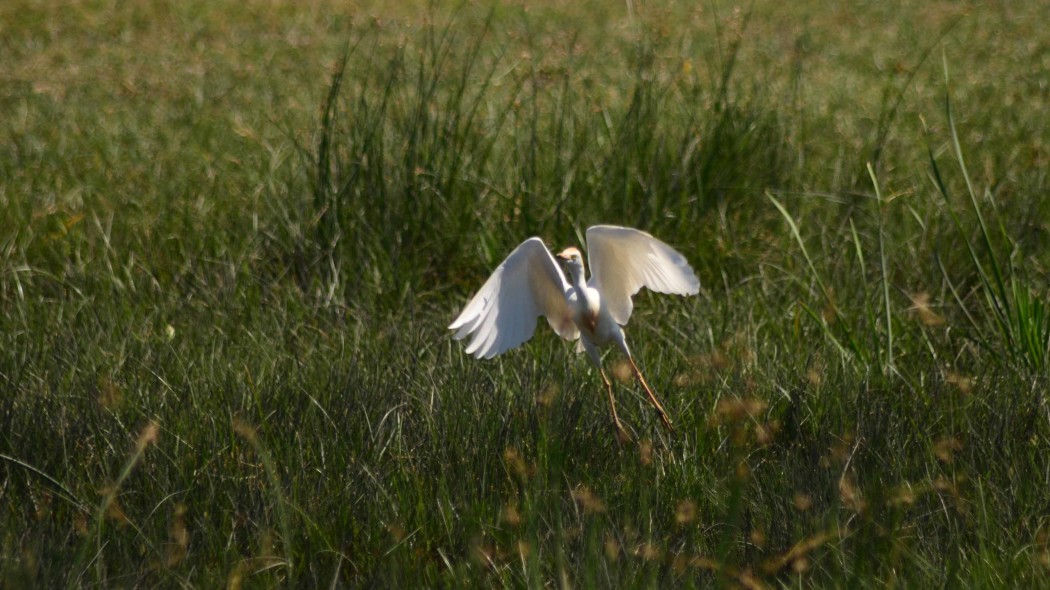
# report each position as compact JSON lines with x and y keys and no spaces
{"x":921,"y":308}
{"x":587,"y":500}
{"x":685,"y":513}
{"x":802,"y":502}
{"x":245,"y":430}
{"x":645,"y":452}
{"x":945,"y":448}
{"x":511,"y":515}
{"x":148,"y":436}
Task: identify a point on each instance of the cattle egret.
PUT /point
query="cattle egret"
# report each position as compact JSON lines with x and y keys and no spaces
{"x":529,"y":284}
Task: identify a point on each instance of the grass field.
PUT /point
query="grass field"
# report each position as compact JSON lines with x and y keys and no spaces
{"x":232,"y":236}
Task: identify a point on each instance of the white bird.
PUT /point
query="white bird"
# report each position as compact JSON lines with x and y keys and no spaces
{"x":529,"y":283}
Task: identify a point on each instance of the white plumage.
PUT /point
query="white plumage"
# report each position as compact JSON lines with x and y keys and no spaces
{"x":623,"y":260}
{"x":502,"y":315}
{"x":530,"y":283}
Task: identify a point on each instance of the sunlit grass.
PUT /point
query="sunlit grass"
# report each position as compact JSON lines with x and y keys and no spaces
{"x":231,"y":237}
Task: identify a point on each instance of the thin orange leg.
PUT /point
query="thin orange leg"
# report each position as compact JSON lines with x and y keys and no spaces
{"x":621,"y":433}
{"x":652,"y":397}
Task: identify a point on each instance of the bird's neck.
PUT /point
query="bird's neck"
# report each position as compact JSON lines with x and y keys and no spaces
{"x":576,"y":278}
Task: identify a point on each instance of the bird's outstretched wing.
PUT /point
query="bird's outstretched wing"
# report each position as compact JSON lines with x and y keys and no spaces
{"x":623,"y":260}
{"x":502,"y":315}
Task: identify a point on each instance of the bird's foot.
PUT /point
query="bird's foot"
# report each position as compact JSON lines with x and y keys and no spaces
{"x":622,"y":436}
{"x":667,"y":423}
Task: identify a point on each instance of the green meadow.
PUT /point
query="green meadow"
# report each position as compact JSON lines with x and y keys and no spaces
{"x":233,"y":235}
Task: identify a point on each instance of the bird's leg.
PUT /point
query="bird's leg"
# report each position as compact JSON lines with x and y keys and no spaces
{"x":621,"y":434}
{"x":596,"y":358}
{"x":652,"y":397}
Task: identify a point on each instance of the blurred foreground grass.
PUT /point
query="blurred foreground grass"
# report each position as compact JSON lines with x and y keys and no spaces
{"x":232,"y":234}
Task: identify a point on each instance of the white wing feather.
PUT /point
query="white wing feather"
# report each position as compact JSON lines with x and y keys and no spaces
{"x":502,"y":315}
{"x":623,"y":260}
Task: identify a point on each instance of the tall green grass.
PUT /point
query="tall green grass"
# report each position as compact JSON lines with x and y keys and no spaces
{"x":1021,"y":327}
{"x":440,"y":156}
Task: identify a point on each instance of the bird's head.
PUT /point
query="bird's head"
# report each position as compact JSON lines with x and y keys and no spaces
{"x":571,"y":259}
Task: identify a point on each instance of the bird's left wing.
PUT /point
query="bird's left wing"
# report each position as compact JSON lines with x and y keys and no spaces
{"x":623,"y":260}
{"x":502,"y":315}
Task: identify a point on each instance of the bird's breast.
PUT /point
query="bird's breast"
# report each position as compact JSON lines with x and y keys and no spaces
{"x":586,"y":308}
{"x":590,"y":320}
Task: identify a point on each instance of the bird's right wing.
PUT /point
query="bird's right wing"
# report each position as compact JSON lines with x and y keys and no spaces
{"x":623,"y":260}
{"x":502,"y":315}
